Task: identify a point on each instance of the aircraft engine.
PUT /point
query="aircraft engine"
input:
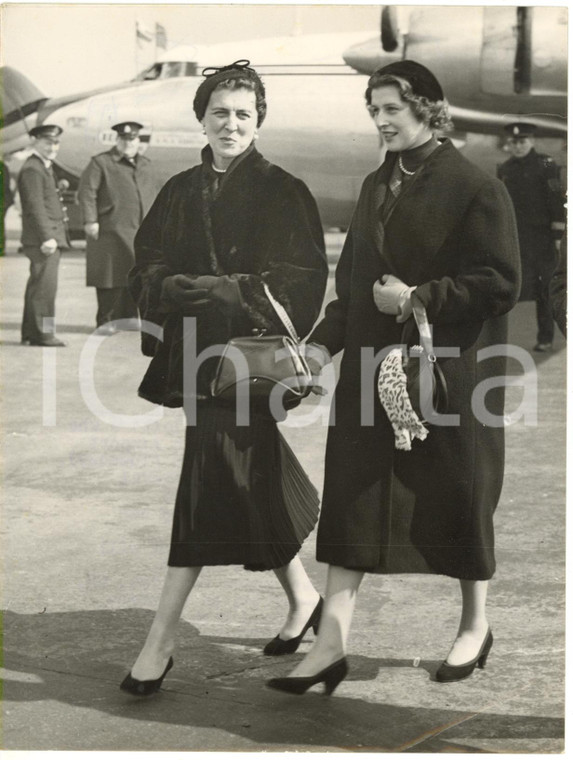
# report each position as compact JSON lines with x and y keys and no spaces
{"x":389,"y":33}
{"x":495,"y":63}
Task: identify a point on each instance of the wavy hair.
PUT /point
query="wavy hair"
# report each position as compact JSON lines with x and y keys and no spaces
{"x":252,"y":84}
{"x":434,"y":113}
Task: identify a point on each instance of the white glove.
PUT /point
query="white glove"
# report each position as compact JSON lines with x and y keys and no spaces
{"x":392,"y":296}
{"x":49,"y":246}
{"x":92,"y":230}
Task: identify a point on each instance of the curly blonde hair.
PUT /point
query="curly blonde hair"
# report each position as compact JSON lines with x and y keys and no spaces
{"x":434,"y":113}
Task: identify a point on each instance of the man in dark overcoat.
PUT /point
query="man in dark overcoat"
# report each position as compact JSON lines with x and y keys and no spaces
{"x":115,"y":193}
{"x":44,"y":234}
{"x":533,"y":182}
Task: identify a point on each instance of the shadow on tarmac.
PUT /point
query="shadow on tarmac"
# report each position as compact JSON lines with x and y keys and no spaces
{"x":67,"y":328}
{"x":63,"y":669}
{"x":75,"y":659}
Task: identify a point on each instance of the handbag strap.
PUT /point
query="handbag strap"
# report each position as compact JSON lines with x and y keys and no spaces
{"x":424,"y":328}
{"x":282,"y":313}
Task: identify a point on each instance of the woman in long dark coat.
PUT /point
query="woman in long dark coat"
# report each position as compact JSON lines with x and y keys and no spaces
{"x":430,"y":230}
{"x":216,"y":237}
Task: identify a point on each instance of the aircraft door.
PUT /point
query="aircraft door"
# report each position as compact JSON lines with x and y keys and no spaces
{"x":548,"y":51}
{"x":524,"y":50}
{"x":499,"y":50}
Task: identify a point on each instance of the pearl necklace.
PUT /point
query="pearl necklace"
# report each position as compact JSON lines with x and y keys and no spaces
{"x":219,"y":171}
{"x":402,"y":167}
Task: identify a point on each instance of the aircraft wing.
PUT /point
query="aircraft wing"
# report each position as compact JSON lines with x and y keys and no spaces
{"x":487,"y":122}
{"x":23,"y":106}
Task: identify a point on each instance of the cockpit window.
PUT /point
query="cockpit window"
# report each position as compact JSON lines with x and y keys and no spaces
{"x":151,"y":73}
{"x":168,"y":70}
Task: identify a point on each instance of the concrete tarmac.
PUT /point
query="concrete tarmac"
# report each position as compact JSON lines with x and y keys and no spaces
{"x":87,"y":508}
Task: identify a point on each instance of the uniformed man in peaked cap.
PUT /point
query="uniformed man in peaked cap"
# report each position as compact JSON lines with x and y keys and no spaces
{"x":116,"y":191}
{"x":533,"y":182}
{"x":43,"y":235}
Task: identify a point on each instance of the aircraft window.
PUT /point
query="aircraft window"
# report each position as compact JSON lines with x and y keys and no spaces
{"x":171,"y":70}
{"x":151,"y":73}
{"x":178,"y":69}
{"x":168,"y":70}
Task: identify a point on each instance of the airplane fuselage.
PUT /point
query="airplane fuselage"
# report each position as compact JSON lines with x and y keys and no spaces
{"x":496,"y":64}
{"x":317,"y":127}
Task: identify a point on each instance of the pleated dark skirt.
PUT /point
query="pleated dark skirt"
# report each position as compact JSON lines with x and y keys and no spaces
{"x":243,"y":497}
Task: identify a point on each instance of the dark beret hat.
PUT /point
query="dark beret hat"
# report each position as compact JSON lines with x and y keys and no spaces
{"x":46,"y":130}
{"x":214,"y":75}
{"x":520,"y":129}
{"x":421,"y":79}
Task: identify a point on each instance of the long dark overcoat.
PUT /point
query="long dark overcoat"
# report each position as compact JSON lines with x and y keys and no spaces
{"x":452,"y":234}
{"x":534,"y":186}
{"x":262,"y":227}
{"x":118,"y":195}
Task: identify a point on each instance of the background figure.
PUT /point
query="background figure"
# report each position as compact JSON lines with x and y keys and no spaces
{"x":216,"y":237}
{"x":43,"y":235}
{"x":533,"y":182}
{"x":7,"y":200}
{"x":116,"y":191}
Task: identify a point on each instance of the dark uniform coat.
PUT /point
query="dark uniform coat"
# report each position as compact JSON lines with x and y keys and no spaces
{"x":534,"y":184}
{"x":43,"y":219}
{"x":43,"y":214}
{"x":262,"y":226}
{"x":558,"y":288}
{"x":6,"y":201}
{"x":118,"y":195}
{"x":452,"y":233}
{"x":7,"y":195}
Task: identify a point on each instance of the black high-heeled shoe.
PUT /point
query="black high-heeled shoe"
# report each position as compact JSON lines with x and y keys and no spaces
{"x":448,"y":673}
{"x":281,"y":646}
{"x":330,"y":677}
{"x":144,"y":688}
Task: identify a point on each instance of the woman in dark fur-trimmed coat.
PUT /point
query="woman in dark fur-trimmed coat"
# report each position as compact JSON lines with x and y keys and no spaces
{"x":430,"y":231}
{"x":217,"y":235}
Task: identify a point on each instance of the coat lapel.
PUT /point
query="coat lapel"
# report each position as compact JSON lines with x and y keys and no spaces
{"x":425,"y":214}
{"x":380,"y":189}
{"x":48,"y":173}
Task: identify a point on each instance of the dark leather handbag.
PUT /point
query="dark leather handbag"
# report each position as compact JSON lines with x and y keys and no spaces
{"x":425,"y":381}
{"x":261,"y":365}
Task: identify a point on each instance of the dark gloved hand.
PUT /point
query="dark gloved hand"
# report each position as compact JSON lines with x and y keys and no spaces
{"x":224,"y":291}
{"x":181,"y":291}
